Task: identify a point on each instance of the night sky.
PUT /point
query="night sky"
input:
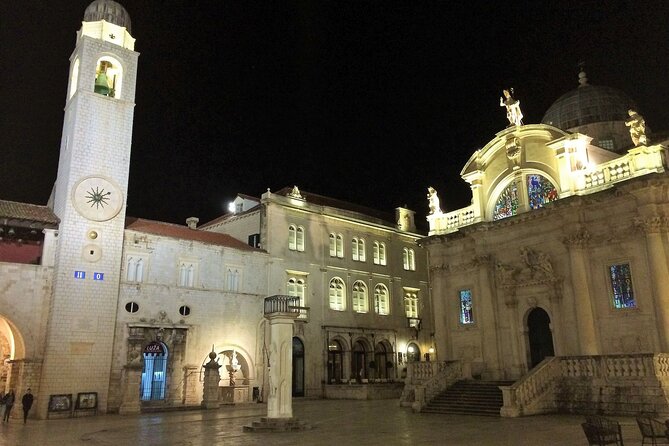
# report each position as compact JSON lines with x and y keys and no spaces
{"x":365,"y":101}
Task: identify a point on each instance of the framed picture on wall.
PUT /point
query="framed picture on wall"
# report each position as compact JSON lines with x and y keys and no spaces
{"x":60,"y":403}
{"x":87,"y":400}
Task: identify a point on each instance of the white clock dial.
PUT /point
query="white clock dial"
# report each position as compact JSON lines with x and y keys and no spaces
{"x":97,"y":198}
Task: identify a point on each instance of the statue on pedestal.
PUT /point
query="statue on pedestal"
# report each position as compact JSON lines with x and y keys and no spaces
{"x":433,"y":201}
{"x":513,"y":113}
{"x":637,"y":126}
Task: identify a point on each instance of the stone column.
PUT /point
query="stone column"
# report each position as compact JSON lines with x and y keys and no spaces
{"x":211,"y":380}
{"x":488,"y":319}
{"x":132,"y":383}
{"x":516,"y":332}
{"x":279,"y":401}
{"x":653,"y":227}
{"x":585,"y":321}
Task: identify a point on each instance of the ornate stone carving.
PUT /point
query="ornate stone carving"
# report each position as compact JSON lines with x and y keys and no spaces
{"x":538,"y":264}
{"x":506,"y":274}
{"x":433,"y":201}
{"x":513,"y":147}
{"x":295,"y":193}
{"x":652,"y":225}
{"x":513,"y":113}
{"x":637,"y":126}
{"x":578,"y":239}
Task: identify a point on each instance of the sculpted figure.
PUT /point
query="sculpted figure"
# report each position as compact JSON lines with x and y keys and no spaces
{"x":513,"y":113}
{"x":433,"y":201}
{"x":637,"y":126}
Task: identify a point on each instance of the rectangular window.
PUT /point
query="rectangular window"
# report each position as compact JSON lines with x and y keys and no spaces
{"x":466,"y":312}
{"x":411,"y":305}
{"x":621,"y":286}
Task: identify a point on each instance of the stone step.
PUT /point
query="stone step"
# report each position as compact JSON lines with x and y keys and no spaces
{"x":266,"y":424}
{"x":469,"y":397}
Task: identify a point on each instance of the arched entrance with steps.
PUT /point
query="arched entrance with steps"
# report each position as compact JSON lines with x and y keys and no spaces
{"x":539,"y":336}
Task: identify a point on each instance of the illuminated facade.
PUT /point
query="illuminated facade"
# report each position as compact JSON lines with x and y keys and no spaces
{"x":564,"y":249}
{"x":103,"y":312}
{"x":361,"y":280}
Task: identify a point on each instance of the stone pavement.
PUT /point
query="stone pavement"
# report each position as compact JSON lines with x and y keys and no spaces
{"x":334,"y":422}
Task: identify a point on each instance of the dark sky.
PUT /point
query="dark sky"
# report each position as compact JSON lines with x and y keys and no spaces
{"x":365,"y":101}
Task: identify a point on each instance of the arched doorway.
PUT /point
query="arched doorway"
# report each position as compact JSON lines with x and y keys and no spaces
{"x":382,"y":357}
{"x":298,"y":367}
{"x":413,"y":352}
{"x":154,"y":372}
{"x":539,"y":336}
{"x":359,"y":364}
{"x":335,"y":363}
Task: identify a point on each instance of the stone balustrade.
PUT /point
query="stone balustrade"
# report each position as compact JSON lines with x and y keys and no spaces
{"x":615,"y":384}
{"x":426,"y":379}
{"x":282,"y":304}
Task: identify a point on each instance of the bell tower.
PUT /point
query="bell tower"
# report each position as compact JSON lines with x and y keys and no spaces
{"x":89,"y":198}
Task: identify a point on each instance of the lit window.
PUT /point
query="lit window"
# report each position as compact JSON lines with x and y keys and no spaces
{"x":360,"y":297}
{"x":411,"y":304}
{"x":296,"y":238}
{"x":339,"y":246}
{"x":337,"y":294}
{"x":621,"y":286}
{"x":540,"y":191}
{"x":187,"y":272}
{"x":358,"y":249}
{"x":382,"y":253}
{"x":409,"y":259}
{"x":296,"y":287}
{"x":466,"y":313}
{"x":381,"y":299}
{"x":333,"y":245}
{"x":507,"y":203}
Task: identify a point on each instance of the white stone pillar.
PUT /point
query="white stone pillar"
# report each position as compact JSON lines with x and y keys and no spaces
{"x":585,"y":321}
{"x":279,"y":401}
{"x":488,"y":320}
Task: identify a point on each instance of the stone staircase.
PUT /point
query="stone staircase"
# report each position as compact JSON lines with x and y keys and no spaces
{"x":469,"y":397}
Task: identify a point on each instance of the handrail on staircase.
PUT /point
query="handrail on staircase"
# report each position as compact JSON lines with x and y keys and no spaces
{"x":427,"y":379}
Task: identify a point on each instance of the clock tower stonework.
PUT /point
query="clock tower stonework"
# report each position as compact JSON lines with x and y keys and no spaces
{"x":90,"y":199}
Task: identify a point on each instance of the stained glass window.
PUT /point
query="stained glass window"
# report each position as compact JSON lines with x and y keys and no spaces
{"x":507,"y":203}
{"x":621,"y":285}
{"x":539,"y":191}
{"x":466,"y":312}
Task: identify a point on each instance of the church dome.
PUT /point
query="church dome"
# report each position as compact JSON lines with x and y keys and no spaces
{"x":109,"y":11}
{"x":588,"y":104}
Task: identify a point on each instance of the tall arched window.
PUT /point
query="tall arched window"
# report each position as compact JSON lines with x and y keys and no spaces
{"x":340,"y":246}
{"x":337,"y":294}
{"x":359,"y":295}
{"x":296,"y":287}
{"x":358,"y":249}
{"x":381,"y":300}
{"x":333,"y":245}
{"x":335,"y":361}
{"x":409,"y":259}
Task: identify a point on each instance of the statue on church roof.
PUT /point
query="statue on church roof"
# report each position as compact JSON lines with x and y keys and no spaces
{"x":513,"y":113}
{"x":637,"y":126}
{"x":433,"y":201}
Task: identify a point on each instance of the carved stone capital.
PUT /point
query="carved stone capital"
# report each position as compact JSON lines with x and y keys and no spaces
{"x":652,"y":225}
{"x":578,"y":239}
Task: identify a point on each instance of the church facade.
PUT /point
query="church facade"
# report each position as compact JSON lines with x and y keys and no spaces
{"x":565,"y":247}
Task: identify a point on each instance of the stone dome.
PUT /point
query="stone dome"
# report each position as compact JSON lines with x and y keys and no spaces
{"x":109,"y":11}
{"x":588,"y":104}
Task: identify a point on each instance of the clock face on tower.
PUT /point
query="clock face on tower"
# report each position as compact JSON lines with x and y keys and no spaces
{"x":97,"y":198}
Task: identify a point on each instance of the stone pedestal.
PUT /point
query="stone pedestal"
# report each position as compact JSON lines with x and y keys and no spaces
{"x":234,"y":394}
{"x":211,"y":380}
{"x":131,"y":382}
{"x":279,"y":401}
